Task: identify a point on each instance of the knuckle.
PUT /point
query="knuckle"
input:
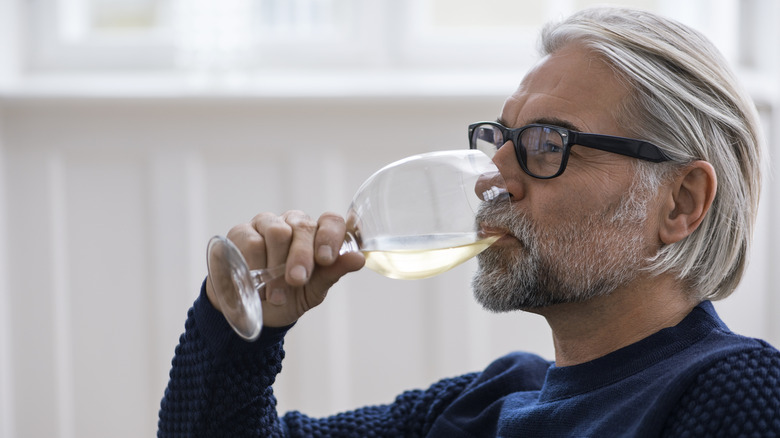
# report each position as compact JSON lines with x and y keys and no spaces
{"x":301,"y":221}
{"x":271,"y":227}
{"x":278,"y":232}
{"x":251,"y":244}
{"x":260,"y":219}
{"x":306,"y":225}
{"x":246,"y":237}
{"x":330,"y":216}
{"x":240,"y":233}
{"x":255,"y":241}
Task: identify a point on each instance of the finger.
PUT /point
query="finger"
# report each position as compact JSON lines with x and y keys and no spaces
{"x":300,"y":260}
{"x":276,"y":234}
{"x":330,"y":236}
{"x":327,"y":276}
{"x":250,"y":243}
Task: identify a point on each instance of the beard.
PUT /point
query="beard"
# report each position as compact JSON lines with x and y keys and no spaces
{"x":573,"y":262}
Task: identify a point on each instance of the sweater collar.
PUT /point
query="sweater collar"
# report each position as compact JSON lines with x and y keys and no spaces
{"x":563,"y":382}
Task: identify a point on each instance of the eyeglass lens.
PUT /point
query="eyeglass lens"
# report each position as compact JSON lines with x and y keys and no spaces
{"x":540,"y":148}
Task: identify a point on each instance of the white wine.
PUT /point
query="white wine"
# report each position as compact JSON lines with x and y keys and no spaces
{"x":415,"y":257}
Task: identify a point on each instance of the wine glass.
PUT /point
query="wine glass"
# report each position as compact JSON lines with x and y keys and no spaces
{"x":412,"y":219}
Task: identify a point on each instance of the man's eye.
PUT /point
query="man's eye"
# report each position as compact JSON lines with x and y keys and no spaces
{"x":550,"y":147}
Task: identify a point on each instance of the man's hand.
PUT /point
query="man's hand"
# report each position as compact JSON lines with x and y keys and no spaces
{"x":310,"y":250}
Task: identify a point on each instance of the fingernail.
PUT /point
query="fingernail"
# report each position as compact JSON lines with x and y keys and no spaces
{"x":325,"y":254}
{"x":298,"y":273}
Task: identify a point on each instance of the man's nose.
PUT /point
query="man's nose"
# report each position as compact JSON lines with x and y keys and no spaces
{"x":514,"y":176}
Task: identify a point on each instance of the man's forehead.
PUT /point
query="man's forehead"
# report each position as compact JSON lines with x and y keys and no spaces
{"x":573,"y":85}
{"x":570,"y":67}
{"x":526,"y":108}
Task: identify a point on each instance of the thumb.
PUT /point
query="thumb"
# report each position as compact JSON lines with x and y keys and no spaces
{"x":326,"y":276}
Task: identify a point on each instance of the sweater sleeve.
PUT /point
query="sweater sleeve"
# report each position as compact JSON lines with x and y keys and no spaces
{"x":738,"y":396}
{"x":221,"y":386}
{"x":411,"y":414}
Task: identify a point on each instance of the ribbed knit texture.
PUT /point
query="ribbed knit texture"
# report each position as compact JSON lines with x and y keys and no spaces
{"x":736,"y":397}
{"x":221,"y":386}
{"x":208,"y":396}
{"x":410,"y":415}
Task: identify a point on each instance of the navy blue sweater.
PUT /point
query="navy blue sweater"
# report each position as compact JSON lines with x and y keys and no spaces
{"x":694,"y":379}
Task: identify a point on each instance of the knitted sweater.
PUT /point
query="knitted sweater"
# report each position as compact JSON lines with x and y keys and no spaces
{"x":694,"y":379}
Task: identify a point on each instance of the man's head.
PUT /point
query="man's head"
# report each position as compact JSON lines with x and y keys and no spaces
{"x":609,"y":219}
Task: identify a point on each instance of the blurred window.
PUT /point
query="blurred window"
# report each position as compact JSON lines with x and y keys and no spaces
{"x":344,"y":34}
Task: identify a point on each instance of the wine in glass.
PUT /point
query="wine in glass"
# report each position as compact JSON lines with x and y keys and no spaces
{"x":412,"y":219}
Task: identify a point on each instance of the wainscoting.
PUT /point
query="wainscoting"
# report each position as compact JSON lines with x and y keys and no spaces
{"x":106,"y":205}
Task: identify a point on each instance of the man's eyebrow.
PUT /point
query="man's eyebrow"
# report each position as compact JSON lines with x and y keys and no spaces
{"x":557,"y":122}
{"x":554,"y":121}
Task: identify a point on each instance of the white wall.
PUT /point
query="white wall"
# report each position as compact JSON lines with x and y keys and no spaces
{"x":6,"y":373}
{"x":109,"y":191}
{"x":110,"y":202}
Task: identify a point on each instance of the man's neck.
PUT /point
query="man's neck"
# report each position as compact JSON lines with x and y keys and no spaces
{"x":586,"y":331}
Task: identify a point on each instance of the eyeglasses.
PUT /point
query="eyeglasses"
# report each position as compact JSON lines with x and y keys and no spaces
{"x":542,"y":150}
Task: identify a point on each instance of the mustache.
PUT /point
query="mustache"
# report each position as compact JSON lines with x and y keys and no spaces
{"x":503,"y":216}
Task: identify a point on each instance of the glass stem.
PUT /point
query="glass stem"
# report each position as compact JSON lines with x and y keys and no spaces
{"x":261,"y":277}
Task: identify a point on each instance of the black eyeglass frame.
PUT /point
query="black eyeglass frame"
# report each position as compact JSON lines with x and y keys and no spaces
{"x":630,"y":147}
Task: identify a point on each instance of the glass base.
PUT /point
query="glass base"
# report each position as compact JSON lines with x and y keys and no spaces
{"x":232,"y":281}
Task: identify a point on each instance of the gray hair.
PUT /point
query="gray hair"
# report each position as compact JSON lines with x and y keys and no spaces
{"x":684,"y":98}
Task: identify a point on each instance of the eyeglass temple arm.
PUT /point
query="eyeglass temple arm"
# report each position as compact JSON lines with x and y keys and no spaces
{"x":619,"y":145}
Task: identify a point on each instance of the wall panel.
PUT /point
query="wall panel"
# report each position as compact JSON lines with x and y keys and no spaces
{"x":107,"y":209}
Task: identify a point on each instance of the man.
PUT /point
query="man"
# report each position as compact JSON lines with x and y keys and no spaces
{"x":618,"y":239}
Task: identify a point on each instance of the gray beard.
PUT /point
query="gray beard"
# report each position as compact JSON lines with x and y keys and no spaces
{"x":574,"y":262}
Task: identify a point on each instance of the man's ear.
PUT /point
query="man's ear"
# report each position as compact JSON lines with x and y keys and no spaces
{"x":691,"y":195}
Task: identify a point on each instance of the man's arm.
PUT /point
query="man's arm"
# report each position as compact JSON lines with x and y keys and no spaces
{"x":221,"y":386}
